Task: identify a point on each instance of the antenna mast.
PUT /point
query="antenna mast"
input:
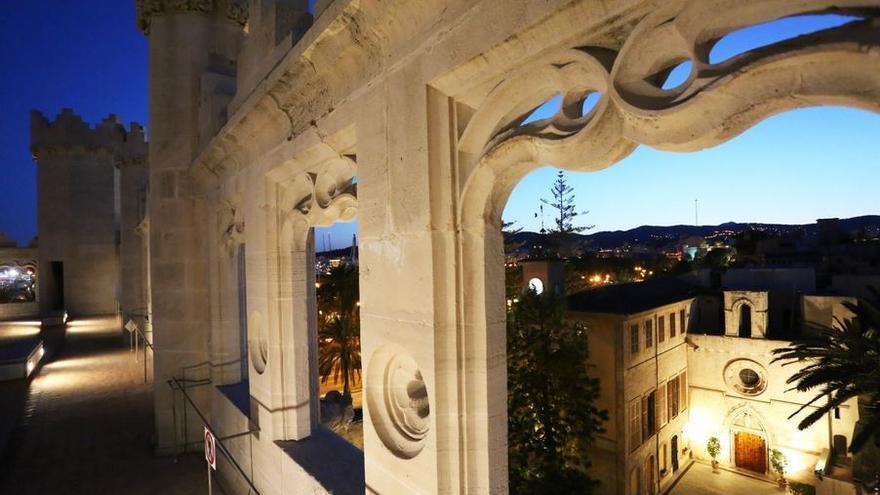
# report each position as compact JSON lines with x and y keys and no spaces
{"x":696,"y":214}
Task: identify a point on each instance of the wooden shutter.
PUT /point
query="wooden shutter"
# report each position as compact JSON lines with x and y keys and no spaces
{"x":684,"y":390}
{"x":635,"y":432}
{"x":661,"y":405}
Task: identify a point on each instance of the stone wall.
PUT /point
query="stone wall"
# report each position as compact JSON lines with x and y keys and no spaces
{"x":719,"y":399}
{"x":79,"y":209}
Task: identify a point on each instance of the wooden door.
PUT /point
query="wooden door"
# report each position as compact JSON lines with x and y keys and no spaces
{"x":675,"y":453}
{"x":750,"y":452}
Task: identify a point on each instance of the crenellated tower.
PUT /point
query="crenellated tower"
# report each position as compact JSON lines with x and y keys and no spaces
{"x":80,"y":170}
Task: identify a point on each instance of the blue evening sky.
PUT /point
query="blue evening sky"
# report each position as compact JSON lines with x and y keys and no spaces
{"x":793,"y":168}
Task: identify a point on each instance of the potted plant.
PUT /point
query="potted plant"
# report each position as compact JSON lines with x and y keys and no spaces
{"x":779,"y":462}
{"x":714,"y":448}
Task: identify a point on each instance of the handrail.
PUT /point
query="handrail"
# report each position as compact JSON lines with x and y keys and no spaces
{"x":147,"y":343}
{"x":174,"y":382}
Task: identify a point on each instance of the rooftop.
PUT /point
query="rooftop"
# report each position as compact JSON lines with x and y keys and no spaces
{"x":626,"y":299}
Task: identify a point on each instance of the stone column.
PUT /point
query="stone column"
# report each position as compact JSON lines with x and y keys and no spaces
{"x":186,"y":39}
{"x":397,"y":285}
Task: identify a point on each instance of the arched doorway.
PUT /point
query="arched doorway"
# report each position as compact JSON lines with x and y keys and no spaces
{"x":748,"y":440}
{"x":650,"y":469}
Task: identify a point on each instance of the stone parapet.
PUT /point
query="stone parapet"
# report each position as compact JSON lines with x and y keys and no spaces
{"x":69,"y":132}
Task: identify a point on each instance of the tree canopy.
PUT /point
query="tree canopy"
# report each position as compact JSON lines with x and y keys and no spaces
{"x":552,"y":414}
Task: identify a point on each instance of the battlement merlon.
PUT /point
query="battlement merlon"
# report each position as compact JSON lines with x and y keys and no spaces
{"x":233,"y":10}
{"x":69,"y":131}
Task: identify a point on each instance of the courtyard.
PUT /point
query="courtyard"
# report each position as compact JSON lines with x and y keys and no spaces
{"x":700,"y":480}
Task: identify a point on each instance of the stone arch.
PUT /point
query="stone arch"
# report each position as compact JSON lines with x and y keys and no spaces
{"x":743,"y":310}
{"x":305,"y":197}
{"x":746,"y":419}
{"x":717,"y":103}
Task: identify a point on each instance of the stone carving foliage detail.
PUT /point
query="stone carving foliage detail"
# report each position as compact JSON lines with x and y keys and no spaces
{"x":398,"y":400}
{"x":324,"y":196}
{"x":232,"y":233}
{"x":234,"y":10}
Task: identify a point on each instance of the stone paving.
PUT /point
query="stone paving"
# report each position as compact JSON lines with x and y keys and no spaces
{"x":88,"y":425}
{"x":700,"y":480}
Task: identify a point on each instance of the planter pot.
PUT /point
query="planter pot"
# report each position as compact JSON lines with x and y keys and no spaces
{"x":782,"y":482}
{"x":715,"y":466}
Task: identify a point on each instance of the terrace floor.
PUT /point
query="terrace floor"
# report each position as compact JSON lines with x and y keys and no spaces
{"x":86,"y":424}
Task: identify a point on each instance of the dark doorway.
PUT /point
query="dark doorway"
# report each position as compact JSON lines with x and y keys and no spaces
{"x":839,"y":443}
{"x":57,"y":285}
{"x":674,"y":448}
{"x":745,"y":321}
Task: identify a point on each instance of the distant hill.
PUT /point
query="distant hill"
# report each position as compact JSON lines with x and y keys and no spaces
{"x":657,"y":236}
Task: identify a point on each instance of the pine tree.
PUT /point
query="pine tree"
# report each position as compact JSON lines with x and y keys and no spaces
{"x":566,"y":214}
{"x":564,"y":204}
{"x":552,"y":414}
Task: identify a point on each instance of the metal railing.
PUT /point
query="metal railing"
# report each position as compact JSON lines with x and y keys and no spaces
{"x":181,"y":386}
{"x":137,"y":335}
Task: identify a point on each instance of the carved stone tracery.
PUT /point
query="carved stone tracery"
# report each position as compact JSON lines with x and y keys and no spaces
{"x":717,"y":102}
{"x":324,"y":196}
{"x":232,"y":227}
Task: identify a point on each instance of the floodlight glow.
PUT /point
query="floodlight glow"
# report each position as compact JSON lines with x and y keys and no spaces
{"x":536,"y":285}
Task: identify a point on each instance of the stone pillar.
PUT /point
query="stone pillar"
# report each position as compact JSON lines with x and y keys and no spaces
{"x":397,"y":286}
{"x":186,"y":40}
{"x":133,"y":188}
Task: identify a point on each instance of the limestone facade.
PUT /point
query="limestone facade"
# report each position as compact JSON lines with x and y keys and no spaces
{"x":669,"y":388}
{"x":641,"y":361}
{"x":256,"y":144}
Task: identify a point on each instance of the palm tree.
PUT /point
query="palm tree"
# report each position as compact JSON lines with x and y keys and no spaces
{"x":339,"y":339}
{"x":841,"y":364}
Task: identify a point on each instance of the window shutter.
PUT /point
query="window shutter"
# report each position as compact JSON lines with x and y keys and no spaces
{"x":635,"y":433}
{"x":684,"y":390}
{"x":661,"y":406}
{"x":644,"y":418}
